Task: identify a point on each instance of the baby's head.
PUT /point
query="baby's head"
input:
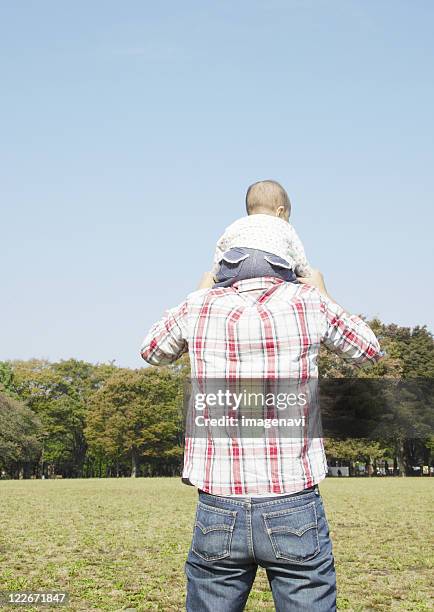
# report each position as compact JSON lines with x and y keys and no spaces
{"x":268,"y":198}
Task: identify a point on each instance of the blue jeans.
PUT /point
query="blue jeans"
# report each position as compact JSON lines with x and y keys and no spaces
{"x":240,"y":263}
{"x":288,"y":536}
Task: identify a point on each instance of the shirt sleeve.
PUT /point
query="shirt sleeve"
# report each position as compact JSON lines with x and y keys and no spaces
{"x":348,"y":335}
{"x":167,"y":339}
{"x":301,"y":265}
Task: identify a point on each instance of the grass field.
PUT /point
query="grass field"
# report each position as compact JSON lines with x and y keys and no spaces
{"x":116,"y":544}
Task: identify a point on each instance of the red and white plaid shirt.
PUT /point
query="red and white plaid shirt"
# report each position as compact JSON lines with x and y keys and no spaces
{"x":258,"y":328}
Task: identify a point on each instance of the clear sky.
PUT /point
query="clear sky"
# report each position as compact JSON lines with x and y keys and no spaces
{"x":131,"y":130}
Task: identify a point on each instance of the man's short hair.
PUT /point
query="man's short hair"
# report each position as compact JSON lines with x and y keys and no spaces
{"x":267,"y":196}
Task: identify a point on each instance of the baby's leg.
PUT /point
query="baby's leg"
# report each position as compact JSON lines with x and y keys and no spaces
{"x":241,"y":263}
{"x":232,"y":266}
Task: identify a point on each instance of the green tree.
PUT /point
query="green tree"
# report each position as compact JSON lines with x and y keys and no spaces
{"x":59,"y":393}
{"x":353,"y":450}
{"x":7,"y":380}
{"x":20,"y":437}
{"x":136,"y":415}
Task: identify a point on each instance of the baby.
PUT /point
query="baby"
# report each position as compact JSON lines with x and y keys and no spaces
{"x":263,"y":243}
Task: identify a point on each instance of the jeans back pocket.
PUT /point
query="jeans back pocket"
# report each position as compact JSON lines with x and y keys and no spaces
{"x":213,"y":532}
{"x":293,"y":533}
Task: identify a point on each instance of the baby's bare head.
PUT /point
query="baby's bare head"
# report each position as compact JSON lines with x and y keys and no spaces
{"x":269,"y":198}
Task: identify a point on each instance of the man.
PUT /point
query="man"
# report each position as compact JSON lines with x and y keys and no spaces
{"x":259,"y":502}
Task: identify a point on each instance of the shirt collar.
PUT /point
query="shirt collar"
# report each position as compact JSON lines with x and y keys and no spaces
{"x":252,"y":284}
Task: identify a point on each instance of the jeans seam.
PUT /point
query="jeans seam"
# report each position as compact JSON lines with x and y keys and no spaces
{"x":250,"y":533}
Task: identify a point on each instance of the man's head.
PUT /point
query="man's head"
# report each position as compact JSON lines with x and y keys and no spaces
{"x":269,"y":198}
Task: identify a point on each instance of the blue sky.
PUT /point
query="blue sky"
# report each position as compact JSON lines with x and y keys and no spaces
{"x":131,"y":130}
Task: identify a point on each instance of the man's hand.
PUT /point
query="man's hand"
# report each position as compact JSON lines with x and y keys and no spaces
{"x":207,"y":281}
{"x":316,"y":279}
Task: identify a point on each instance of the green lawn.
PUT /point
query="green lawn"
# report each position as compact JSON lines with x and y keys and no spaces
{"x":116,"y":544}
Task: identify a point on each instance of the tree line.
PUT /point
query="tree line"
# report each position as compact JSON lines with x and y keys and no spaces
{"x":76,"y":419}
